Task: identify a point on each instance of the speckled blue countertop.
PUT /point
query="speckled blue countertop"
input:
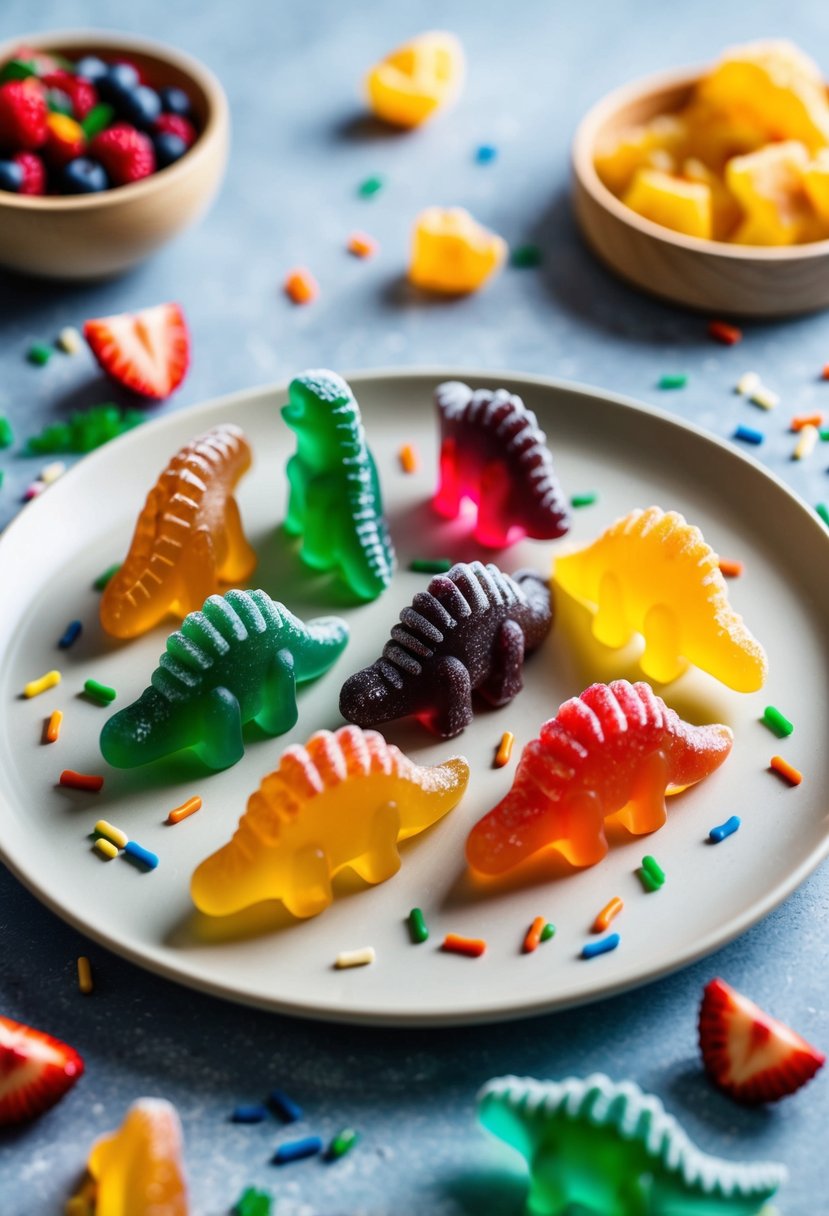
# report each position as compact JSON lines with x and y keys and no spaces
{"x":301,"y":145}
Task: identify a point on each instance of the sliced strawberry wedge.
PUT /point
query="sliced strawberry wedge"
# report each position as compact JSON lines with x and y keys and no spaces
{"x":35,"y":1071}
{"x":749,"y":1055}
{"x":148,"y":352}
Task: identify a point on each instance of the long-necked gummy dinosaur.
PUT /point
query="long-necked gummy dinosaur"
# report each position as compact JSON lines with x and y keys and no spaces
{"x":239,"y":659}
{"x":335,"y":502}
{"x":609,"y":1149}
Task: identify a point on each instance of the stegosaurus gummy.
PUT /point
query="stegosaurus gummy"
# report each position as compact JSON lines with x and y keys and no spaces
{"x":335,"y":503}
{"x":344,"y":799}
{"x":616,"y":748}
{"x":188,"y":539}
{"x":653,"y":572}
{"x":493,"y":453}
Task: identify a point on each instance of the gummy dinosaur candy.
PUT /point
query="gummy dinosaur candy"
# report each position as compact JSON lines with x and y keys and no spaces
{"x":467,"y":633}
{"x":617,"y":748}
{"x":139,"y":1169}
{"x":451,"y":253}
{"x":608,"y":1149}
{"x":493,"y":454}
{"x":345,"y":799}
{"x":239,"y":658}
{"x":652,"y":572}
{"x":335,"y":502}
{"x":417,"y":79}
{"x":188,"y":538}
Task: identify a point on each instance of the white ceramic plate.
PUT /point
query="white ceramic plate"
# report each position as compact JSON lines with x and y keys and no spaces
{"x":632,"y":456}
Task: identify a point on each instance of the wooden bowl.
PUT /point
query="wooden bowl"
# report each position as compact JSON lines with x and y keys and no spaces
{"x":752,"y":280}
{"x":91,"y":236}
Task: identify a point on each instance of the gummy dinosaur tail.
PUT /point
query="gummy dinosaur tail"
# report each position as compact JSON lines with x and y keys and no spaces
{"x":539,"y":598}
{"x":327,"y":637}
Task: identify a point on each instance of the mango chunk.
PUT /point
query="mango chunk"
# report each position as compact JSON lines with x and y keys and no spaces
{"x":655,"y":144}
{"x":671,"y":201}
{"x":816,"y":184}
{"x":726,"y":212}
{"x":452,"y":254}
{"x":417,"y":79}
{"x":769,"y":186}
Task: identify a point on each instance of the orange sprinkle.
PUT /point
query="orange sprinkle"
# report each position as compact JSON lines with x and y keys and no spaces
{"x":802,"y":420}
{"x":504,"y":749}
{"x":81,"y":781}
{"x":787,"y":771}
{"x":185,"y":810}
{"x":608,"y":913}
{"x":472,"y":947}
{"x":52,"y":732}
{"x":534,"y":935}
{"x":409,"y":459}
{"x":362,"y":245}
{"x":721,"y":331}
{"x":825,"y":372}
{"x":730,"y":568}
{"x":301,"y":286}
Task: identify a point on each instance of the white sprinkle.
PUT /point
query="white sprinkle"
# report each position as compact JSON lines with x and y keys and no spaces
{"x":355,"y":958}
{"x":806,"y":443}
{"x":69,"y":340}
{"x":764,"y":397}
{"x":748,"y":383}
{"x":52,"y":472}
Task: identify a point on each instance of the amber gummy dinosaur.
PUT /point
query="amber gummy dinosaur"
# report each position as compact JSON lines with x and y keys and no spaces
{"x":188,"y":540}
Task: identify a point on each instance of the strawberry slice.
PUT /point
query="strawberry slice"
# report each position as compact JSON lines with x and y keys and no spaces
{"x":750,"y":1056}
{"x":35,"y":1071}
{"x":148,"y":352}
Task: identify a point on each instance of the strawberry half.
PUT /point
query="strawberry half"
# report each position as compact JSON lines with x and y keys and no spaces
{"x":148,"y":352}
{"x":35,"y":1071}
{"x":750,"y":1056}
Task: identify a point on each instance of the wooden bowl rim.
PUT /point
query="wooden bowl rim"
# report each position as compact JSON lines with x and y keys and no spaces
{"x":114,"y":41}
{"x":584,"y":142}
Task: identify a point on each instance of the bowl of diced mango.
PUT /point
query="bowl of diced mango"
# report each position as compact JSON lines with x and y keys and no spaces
{"x":710,"y":187}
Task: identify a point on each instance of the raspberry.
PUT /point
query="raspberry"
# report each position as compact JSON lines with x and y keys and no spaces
{"x":34,"y":174}
{"x":81,"y":92}
{"x":174,"y":124}
{"x":126,"y":154}
{"x":22,"y":114}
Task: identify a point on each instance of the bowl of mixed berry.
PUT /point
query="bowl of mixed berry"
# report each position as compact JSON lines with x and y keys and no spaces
{"x":109,"y":146}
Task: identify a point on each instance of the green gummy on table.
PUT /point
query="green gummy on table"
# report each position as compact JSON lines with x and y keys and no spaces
{"x":823,"y":512}
{"x":672,"y":380}
{"x":253,"y":1202}
{"x":100,"y":692}
{"x":6,"y":432}
{"x":85,"y":431}
{"x":777,"y":722}
{"x":417,"y":926}
{"x":370,"y":187}
{"x":583,"y":500}
{"x":430,"y":565}
{"x":653,"y":869}
{"x":547,"y":932}
{"x":39,"y":354}
{"x":102,"y":579}
{"x":97,"y":119}
{"x":526,"y":257}
{"x":342,"y":1143}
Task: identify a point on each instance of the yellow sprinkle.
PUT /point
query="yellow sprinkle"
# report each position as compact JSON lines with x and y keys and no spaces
{"x":114,"y":834}
{"x":764,"y":397}
{"x":69,"y":340}
{"x":35,"y":687}
{"x":51,"y":472}
{"x":748,"y":383}
{"x":504,"y":749}
{"x":106,"y":848}
{"x":806,"y":443}
{"x":355,"y":958}
{"x":53,"y":726}
{"x":85,"y":975}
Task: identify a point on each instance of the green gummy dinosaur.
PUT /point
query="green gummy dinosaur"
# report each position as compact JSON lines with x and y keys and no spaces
{"x":335,"y":503}
{"x":239,"y":658}
{"x":610,"y":1149}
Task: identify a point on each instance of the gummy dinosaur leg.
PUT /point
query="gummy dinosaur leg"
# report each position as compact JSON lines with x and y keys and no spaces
{"x":295,"y":518}
{"x":661,"y":660}
{"x":452,"y":692}
{"x":645,"y":810}
{"x":279,"y":711}
{"x":447,"y":500}
{"x":308,"y":890}
{"x":325,"y":514}
{"x":505,"y":681}
{"x":582,"y":840}
{"x":493,"y":525}
{"x":220,"y":744}
{"x":381,"y":859}
{"x":610,"y":626}
{"x":549,"y":1194}
{"x":197,"y":578}
{"x":240,"y":561}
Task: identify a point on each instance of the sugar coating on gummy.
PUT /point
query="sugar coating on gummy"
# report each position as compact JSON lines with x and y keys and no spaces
{"x":335,"y":503}
{"x":345,"y":799}
{"x":616,"y":748}
{"x":494,"y":454}
{"x":238,"y":659}
{"x":469,"y":632}
{"x":652,"y":572}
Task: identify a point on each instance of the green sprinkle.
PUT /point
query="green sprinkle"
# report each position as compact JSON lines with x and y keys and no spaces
{"x":100,"y":692}
{"x":102,"y":579}
{"x":6,"y":432}
{"x":253,"y":1203}
{"x":584,"y":500}
{"x":99,"y":116}
{"x":824,"y":433}
{"x":526,"y":257}
{"x":342,"y":1143}
{"x":547,"y":932}
{"x":17,"y":69}
{"x":2,"y":475}
{"x":649,"y":883}
{"x":672,"y":380}
{"x":85,"y":430}
{"x":39,"y":353}
{"x":417,"y":926}
{"x":776,"y":721}
{"x":651,"y":873}
{"x":823,"y":512}
{"x":371,"y":186}
{"x":430,"y":565}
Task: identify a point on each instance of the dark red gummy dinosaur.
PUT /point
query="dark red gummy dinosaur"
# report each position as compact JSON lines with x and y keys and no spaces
{"x":493,"y":453}
{"x":468,"y":632}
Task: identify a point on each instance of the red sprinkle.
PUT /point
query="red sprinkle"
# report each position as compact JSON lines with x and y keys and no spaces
{"x":81,"y":781}
{"x":721,"y":331}
{"x":534,"y":935}
{"x":472,"y":947}
{"x":729,"y":568}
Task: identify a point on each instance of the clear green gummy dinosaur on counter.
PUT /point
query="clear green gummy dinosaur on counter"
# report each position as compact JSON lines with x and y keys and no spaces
{"x":238,"y":659}
{"x":598,"y":1147}
{"x":335,"y":503}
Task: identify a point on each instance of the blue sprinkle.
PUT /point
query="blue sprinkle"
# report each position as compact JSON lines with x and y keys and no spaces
{"x":725,"y":829}
{"x":485,"y":154}
{"x":150,"y":860}
{"x":591,"y":949}
{"x":249,"y":1114}
{"x":70,"y":635}
{"x":295,"y":1150}
{"x":284,"y":1106}
{"x":749,"y":434}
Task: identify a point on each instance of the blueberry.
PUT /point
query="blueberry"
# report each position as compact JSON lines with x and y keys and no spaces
{"x":140,"y":106}
{"x":84,"y":176}
{"x":175,"y":101}
{"x":91,"y":68}
{"x":168,"y":148}
{"x":120,"y":78}
{"x":11,"y":176}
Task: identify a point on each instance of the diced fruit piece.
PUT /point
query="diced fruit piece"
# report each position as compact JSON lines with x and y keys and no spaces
{"x":126,"y":154}
{"x":452,"y":253}
{"x":714,"y":137}
{"x":36,"y":1070}
{"x":175,"y":124}
{"x":417,"y":79}
{"x":65,"y":139}
{"x":91,"y":68}
{"x":84,"y":176}
{"x":139,"y":1169}
{"x":769,"y":186}
{"x":82,"y":93}
{"x":816,"y":184}
{"x":750,"y":1056}
{"x":148,"y":352}
{"x":683,"y":206}
{"x":119,"y":78}
{"x":11,"y":176}
{"x":141,"y":106}
{"x":168,"y":148}
{"x":22,"y":115}
{"x":726,"y":212}
{"x":34,"y":174}
{"x":175,"y":101}
{"x":41,"y":61}
{"x":653,"y":145}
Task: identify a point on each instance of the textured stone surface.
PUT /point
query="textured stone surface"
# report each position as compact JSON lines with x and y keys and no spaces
{"x":301,"y":147}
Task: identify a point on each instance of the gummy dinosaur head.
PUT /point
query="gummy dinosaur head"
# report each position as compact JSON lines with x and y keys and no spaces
{"x":147,"y":722}
{"x":367,"y":697}
{"x":313,"y":399}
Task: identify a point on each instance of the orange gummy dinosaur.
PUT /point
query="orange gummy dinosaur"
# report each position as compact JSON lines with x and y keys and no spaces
{"x":188,"y":539}
{"x":617,"y":749}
